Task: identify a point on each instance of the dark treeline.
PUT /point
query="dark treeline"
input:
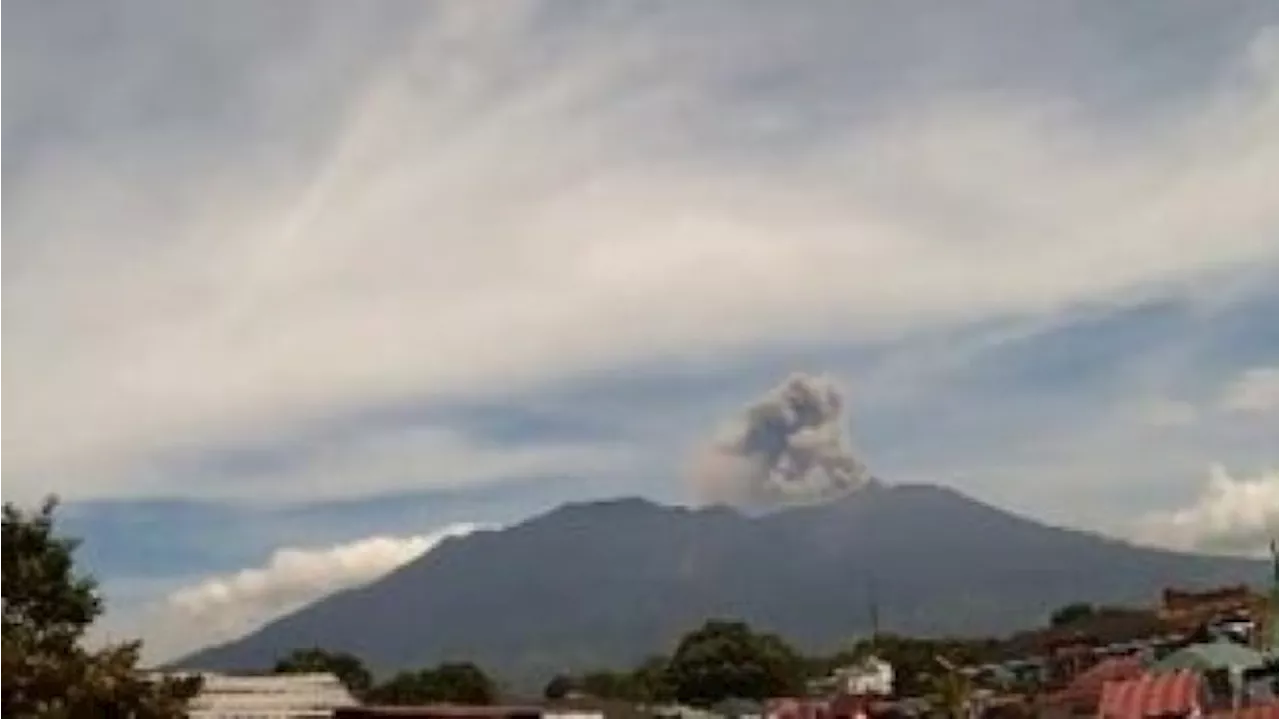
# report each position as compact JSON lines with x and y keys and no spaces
{"x":719,"y":660}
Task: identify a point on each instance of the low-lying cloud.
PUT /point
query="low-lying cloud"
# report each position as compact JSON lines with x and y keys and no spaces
{"x":229,"y":605}
{"x":1230,"y":516}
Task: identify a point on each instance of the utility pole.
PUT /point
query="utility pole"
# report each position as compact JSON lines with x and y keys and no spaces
{"x":873,"y":612}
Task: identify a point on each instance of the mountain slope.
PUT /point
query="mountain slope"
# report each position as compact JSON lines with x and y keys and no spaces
{"x":607,"y":583}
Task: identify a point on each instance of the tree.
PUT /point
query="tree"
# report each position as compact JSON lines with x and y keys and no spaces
{"x":726,"y":659}
{"x":611,"y":685}
{"x":559,"y":687}
{"x":451,"y":682}
{"x":952,"y":692}
{"x":652,"y":681}
{"x":47,"y":609}
{"x":346,"y":667}
{"x":1070,"y":614}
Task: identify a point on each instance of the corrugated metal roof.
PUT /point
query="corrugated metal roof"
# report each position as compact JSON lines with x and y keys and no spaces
{"x":1086,"y":689}
{"x":1150,"y":696}
{"x":1211,"y":655}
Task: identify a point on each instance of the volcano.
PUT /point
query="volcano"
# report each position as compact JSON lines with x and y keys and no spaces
{"x":604,"y":584}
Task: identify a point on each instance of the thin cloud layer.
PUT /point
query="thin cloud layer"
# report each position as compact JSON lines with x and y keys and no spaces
{"x":494,"y":197}
{"x":1257,"y":391}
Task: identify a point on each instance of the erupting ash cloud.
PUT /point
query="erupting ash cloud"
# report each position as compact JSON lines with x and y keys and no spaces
{"x":788,"y":447}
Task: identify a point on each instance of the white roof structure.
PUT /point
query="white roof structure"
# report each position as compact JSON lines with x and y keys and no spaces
{"x":872,"y":676}
{"x":281,"y":696}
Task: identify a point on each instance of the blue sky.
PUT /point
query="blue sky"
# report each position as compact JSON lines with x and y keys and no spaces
{"x":286,"y":277}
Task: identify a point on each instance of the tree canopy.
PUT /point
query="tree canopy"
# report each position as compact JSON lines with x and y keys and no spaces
{"x":559,"y":687}
{"x":725,"y":659}
{"x":346,"y":667}
{"x":48,"y":607}
{"x":1071,"y":613}
{"x":451,"y":682}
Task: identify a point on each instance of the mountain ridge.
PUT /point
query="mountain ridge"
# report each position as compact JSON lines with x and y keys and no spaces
{"x":607,"y":582}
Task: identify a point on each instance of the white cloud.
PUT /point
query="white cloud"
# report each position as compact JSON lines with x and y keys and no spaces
{"x":223,"y":607}
{"x":543,"y":207}
{"x":1230,"y":515}
{"x":1257,"y":391}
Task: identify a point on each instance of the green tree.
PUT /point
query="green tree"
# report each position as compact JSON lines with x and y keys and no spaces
{"x":451,"y":682}
{"x":951,"y":692}
{"x":724,"y":659}
{"x":610,"y":685}
{"x":652,"y":680}
{"x":47,"y":609}
{"x":346,"y":667}
{"x":1071,"y":613}
{"x":559,"y":687}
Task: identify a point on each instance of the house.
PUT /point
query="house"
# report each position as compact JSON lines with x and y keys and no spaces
{"x":870,"y":677}
{"x":281,"y":696}
{"x":1188,"y":609}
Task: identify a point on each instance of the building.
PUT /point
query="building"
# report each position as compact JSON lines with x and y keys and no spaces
{"x":583,"y":707}
{"x":280,"y":696}
{"x":439,"y":711}
{"x":870,"y":677}
{"x":1082,"y":695}
{"x":1188,"y":608}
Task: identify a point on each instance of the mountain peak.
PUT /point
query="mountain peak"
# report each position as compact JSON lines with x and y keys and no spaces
{"x":605,"y":583}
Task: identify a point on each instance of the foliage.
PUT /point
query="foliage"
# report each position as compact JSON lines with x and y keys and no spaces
{"x":653,"y":680}
{"x":450,"y":682}
{"x":559,"y":687}
{"x":725,"y":659}
{"x":610,"y":685}
{"x":47,"y":609}
{"x":951,"y":692}
{"x":648,"y":682}
{"x":346,"y":667}
{"x":1071,"y":613}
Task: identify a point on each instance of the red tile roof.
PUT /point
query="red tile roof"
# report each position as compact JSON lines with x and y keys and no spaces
{"x":1150,"y":695}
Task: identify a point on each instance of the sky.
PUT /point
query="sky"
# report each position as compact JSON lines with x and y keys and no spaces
{"x":295,"y":290}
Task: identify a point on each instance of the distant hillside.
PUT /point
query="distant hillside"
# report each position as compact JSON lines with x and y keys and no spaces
{"x":607,"y":583}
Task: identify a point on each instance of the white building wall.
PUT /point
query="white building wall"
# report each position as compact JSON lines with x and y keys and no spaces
{"x":284,"y":696}
{"x":872,"y":677}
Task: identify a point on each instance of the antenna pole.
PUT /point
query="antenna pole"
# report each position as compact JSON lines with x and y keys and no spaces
{"x":873,"y":611}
